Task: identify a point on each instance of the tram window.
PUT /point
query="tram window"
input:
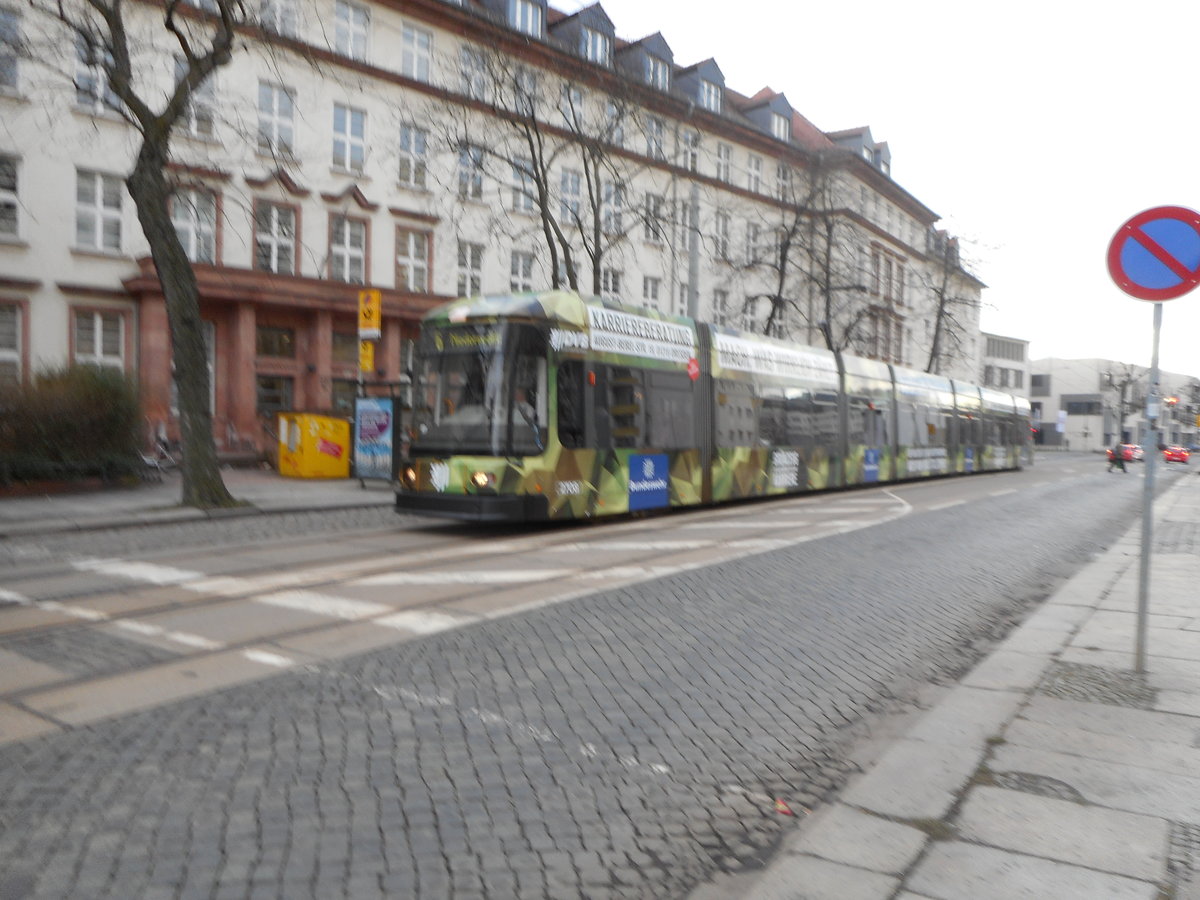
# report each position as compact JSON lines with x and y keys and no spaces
{"x":735,"y":413}
{"x":625,"y":397}
{"x":571,"y":414}
{"x":670,"y":411}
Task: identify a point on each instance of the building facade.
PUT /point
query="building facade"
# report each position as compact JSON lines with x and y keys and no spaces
{"x":428,"y":150}
{"x":1091,"y":404}
{"x":1005,"y":364}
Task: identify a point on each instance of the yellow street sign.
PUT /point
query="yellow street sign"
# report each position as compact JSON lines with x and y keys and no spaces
{"x":366,"y":356}
{"x":370,"y":314}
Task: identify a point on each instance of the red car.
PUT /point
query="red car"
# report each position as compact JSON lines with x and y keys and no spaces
{"x":1176,"y":454}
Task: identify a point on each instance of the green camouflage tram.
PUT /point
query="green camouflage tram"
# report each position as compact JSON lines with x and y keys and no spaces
{"x":551,"y":406}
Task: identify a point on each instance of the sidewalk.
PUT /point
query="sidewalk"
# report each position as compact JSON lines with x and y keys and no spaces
{"x":1052,"y":770}
{"x":264,"y":489}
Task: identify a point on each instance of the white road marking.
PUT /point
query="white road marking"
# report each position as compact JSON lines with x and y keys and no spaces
{"x":945,"y":505}
{"x":1002,"y":493}
{"x":495,"y":576}
{"x":421,"y":622}
{"x":268,"y":659}
{"x":150,"y":573}
{"x":13,"y":597}
{"x":323,"y":604}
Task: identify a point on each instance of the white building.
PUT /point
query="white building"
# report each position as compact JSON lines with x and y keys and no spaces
{"x":361,"y":144}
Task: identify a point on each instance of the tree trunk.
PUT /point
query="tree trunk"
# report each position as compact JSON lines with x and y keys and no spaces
{"x":203,"y":486}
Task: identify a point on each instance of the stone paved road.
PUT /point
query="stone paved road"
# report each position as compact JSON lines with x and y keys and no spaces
{"x":625,"y":745}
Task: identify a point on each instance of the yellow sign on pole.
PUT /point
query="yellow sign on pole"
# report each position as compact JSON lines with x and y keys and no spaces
{"x":366,"y":356}
{"x":370,"y":315}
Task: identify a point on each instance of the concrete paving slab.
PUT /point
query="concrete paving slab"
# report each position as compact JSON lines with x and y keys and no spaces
{"x":1117,"y":785}
{"x":1166,"y":757}
{"x":19,"y":673}
{"x":19,"y":725}
{"x":1007,"y":670}
{"x":340,"y":641}
{"x":1057,"y":616}
{"x":841,"y":834}
{"x":967,"y":717}
{"x":19,"y":618}
{"x":915,"y":780}
{"x":809,"y":878}
{"x":153,"y":686}
{"x":1106,"y":719}
{"x":955,"y":870}
{"x":1038,"y":640}
{"x":1104,"y":839}
{"x":1184,"y":703}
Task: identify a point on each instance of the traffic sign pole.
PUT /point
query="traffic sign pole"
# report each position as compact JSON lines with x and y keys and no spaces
{"x":1154,"y":256}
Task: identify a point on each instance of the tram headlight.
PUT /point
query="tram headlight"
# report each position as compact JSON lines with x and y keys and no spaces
{"x":483,"y":481}
{"x":410,"y":477}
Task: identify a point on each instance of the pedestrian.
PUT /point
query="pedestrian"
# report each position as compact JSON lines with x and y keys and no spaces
{"x":1116,"y":457}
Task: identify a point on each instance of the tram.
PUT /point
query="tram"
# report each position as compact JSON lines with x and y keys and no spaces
{"x":554,"y":406}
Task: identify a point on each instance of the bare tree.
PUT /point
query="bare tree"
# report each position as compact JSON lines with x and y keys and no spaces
{"x":106,"y":45}
{"x":946,"y":280}
{"x":563,"y":154}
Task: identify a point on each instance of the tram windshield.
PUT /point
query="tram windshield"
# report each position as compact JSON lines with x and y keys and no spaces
{"x":481,"y":388}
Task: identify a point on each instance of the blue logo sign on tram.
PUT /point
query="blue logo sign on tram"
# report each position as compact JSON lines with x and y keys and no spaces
{"x":648,"y":482}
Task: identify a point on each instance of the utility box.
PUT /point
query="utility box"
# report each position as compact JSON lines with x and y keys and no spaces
{"x":312,"y":446}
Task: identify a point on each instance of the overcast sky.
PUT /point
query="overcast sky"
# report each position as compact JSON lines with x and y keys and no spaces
{"x":1034,"y":129}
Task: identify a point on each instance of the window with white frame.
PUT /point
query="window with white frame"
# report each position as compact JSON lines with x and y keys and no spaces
{"x":472,"y":67}
{"x":275,"y":238}
{"x":10,"y":344}
{"x":612,"y":207}
{"x":10,"y":40}
{"x":347,"y":249}
{"x":651,"y":287}
{"x":525,"y":16}
{"x":523,"y":189}
{"x":596,"y":46}
{"x":654,"y":218}
{"x":610,"y":284}
{"x":748,"y":317}
{"x":724,"y":155}
{"x":98,"y":211}
{"x":278,"y":16}
{"x":9,"y":223}
{"x":658,"y":73}
{"x":689,"y":222}
{"x":99,"y":338}
{"x":721,"y":234}
{"x":570,"y":104}
{"x":416,"y":52}
{"x":615,"y":115}
{"x":783,"y":181}
{"x":655,"y":130}
{"x":521,"y":271}
{"x":412,"y":260}
{"x":689,"y":150}
{"x":470,"y":172}
{"x":781,"y":126}
{"x":525,"y":91}
{"x":414,"y":148}
{"x":349,"y":138}
{"x":572,"y":186}
{"x":721,"y":307}
{"x":199,"y":116}
{"x":753,"y":242}
{"x":470,"y":268}
{"x":194,"y":215}
{"x":681,"y":300}
{"x":352,"y":24}
{"x":276,"y":120}
{"x":710,"y":95}
{"x":92,"y":91}
{"x":754,"y":174}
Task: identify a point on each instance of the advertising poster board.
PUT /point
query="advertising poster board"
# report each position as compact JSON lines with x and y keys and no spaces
{"x":374,"y":422}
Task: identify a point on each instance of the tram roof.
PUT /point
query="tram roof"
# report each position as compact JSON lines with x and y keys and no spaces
{"x":566,"y":307}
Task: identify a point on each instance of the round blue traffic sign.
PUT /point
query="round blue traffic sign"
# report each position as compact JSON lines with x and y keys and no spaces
{"x":1156,"y":254}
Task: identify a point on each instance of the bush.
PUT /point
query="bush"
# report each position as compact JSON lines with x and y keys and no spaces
{"x":78,"y":422}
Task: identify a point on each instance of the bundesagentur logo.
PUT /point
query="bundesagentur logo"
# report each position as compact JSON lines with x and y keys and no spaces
{"x":439,"y":476}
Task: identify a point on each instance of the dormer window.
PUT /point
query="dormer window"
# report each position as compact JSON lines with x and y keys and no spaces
{"x":525,"y":16}
{"x":781,"y":127}
{"x":710,"y":96}
{"x":868,"y":155}
{"x":596,"y":47}
{"x":658,"y":73}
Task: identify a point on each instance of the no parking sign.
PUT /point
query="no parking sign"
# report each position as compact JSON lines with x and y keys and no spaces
{"x":1156,"y":254}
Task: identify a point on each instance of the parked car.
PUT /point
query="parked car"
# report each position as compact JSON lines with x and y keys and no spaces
{"x":1175,"y":453}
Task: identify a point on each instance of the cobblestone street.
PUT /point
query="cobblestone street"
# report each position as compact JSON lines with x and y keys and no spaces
{"x":629,"y":744}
